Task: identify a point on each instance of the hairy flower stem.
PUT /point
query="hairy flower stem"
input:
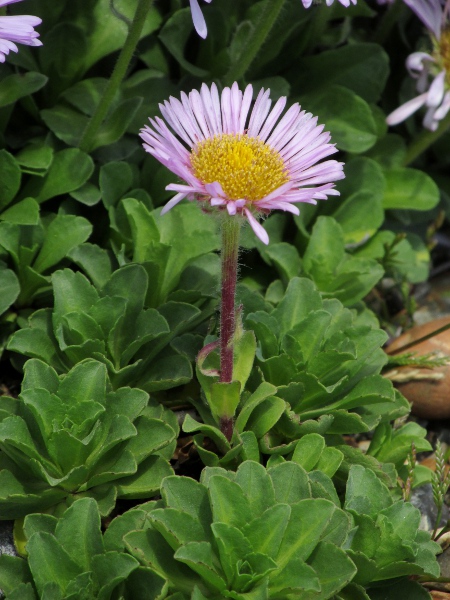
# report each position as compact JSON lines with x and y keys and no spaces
{"x":230,"y":251}
{"x":268,"y":14}
{"x":125,"y":56}
{"x":424,"y":140}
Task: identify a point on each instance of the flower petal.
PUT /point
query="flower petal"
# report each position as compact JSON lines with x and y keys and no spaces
{"x":257,"y":227}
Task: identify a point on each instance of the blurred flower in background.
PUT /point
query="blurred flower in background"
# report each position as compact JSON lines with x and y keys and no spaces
{"x":17,"y":29}
{"x":346,"y":3}
{"x":431,"y":69}
{"x":242,"y":160}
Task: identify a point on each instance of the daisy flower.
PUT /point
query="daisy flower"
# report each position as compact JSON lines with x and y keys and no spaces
{"x":17,"y":30}
{"x":198,"y":18}
{"x":432,"y":70}
{"x":246,"y":161}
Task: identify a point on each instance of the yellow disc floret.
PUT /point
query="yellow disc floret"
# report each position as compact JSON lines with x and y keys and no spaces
{"x":245,"y":166}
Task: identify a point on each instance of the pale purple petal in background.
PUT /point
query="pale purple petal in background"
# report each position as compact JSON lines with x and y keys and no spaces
{"x":406,"y":110}
{"x":429,"y":12}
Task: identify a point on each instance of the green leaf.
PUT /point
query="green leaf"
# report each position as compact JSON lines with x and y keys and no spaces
{"x":10,"y":176}
{"x":35,"y":159}
{"x":265,"y":415}
{"x":362,"y":68}
{"x":199,"y":557}
{"x":406,"y":588}
{"x":263,"y":391}
{"x":106,"y":32}
{"x":300,"y":299}
{"x":290,"y":482}
{"x":25,"y":212}
{"x":334,"y":568}
{"x":228,"y":502}
{"x":116,"y":124}
{"x":308,"y":451}
{"x":233,"y":548}
{"x":70,"y":169}
{"x":9,"y":288}
{"x":63,"y":234}
{"x":347,"y":116}
{"x":410,"y":189}
{"x":266,"y":532}
{"x":18,"y":85}
{"x":13,"y":572}
{"x":145,"y":584}
{"x":307,"y":525}
{"x":147,"y":481}
{"x":225,"y":398}
{"x":174,"y":35}
{"x":83,"y":518}
{"x":186,"y":494}
{"x":365,"y":493}
{"x":361,"y":213}
{"x":285,"y":258}
{"x":111,"y":568}
{"x":73,"y":293}
{"x":94,"y":260}
{"x":115,"y":180}
{"x":177,"y":527}
{"x":244,"y":354}
{"x":256,"y":484}
{"x":49,"y":562}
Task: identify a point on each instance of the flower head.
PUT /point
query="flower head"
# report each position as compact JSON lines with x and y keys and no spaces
{"x":17,"y":30}
{"x":198,"y":18}
{"x":246,"y":161}
{"x":431,"y":69}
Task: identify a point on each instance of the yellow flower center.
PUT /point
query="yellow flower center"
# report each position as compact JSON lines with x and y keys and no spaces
{"x":245,"y":166}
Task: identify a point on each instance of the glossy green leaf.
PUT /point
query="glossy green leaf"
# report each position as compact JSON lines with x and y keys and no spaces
{"x":409,"y":189}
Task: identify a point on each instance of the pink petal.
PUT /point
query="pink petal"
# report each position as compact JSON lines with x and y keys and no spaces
{"x":198,"y":19}
{"x":257,"y":227}
{"x":406,"y":110}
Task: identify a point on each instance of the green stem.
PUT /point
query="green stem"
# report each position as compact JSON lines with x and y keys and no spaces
{"x":125,"y":56}
{"x":424,"y":140}
{"x":231,"y":226}
{"x":268,"y":15}
{"x":388,"y":20}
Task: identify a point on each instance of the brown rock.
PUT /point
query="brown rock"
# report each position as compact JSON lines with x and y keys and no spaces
{"x":440,"y":595}
{"x":427,"y":389}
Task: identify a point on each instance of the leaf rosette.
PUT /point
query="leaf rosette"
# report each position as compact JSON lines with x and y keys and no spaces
{"x":309,"y":365}
{"x":254,"y":534}
{"x":143,"y":347}
{"x":71,"y":436}
{"x":68,"y":558}
{"x":277,"y":533}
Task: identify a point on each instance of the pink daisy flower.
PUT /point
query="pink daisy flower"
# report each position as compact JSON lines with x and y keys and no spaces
{"x":198,"y":18}
{"x":17,"y":30}
{"x":432,"y":70}
{"x":246,"y":161}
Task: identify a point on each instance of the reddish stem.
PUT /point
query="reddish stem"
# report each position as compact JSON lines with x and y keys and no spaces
{"x":230,"y":251}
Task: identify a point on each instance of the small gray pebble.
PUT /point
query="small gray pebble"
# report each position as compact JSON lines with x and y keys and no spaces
{"x":6,"y":538}
{"x":422,"y":498}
